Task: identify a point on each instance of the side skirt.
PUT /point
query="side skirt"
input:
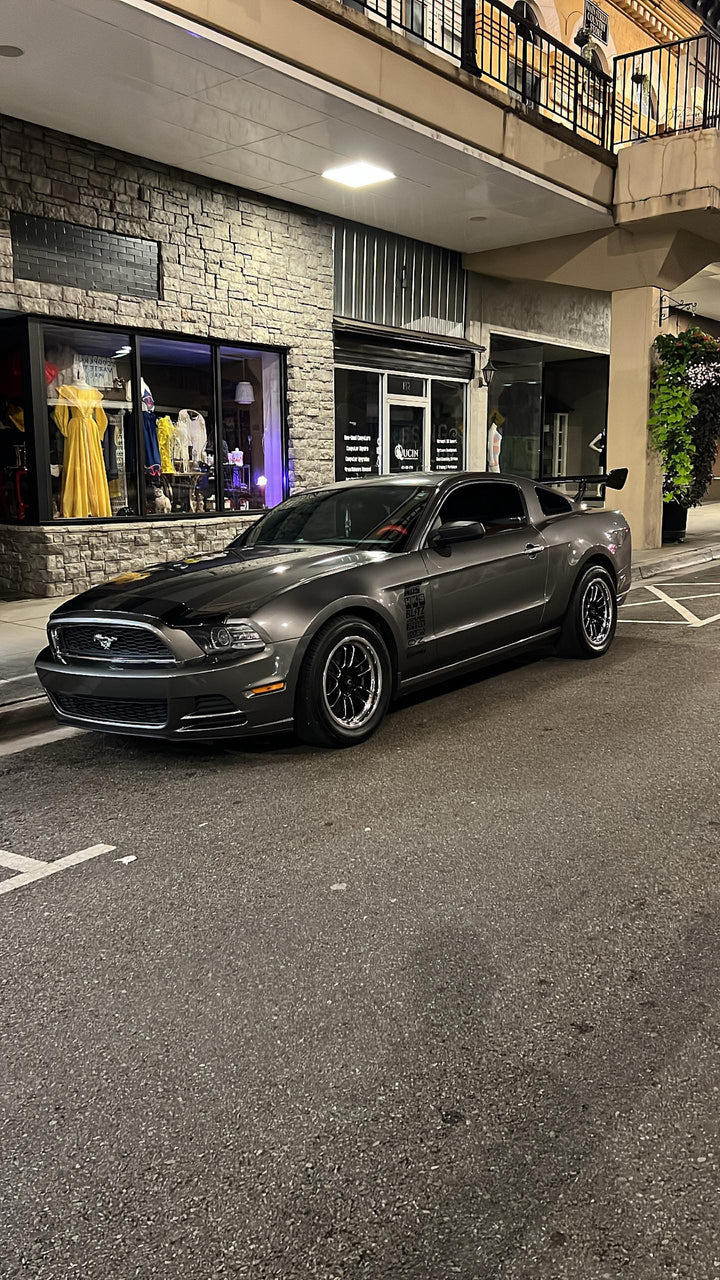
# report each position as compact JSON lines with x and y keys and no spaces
{"x":478,"y":660}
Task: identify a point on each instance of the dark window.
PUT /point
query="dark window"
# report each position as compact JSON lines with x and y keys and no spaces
{"x":15,"y":496}
{"x":357,"y":424}
{"x":381,"y":515}
{"x":447,"y":425}
{"x":415,"y":17}
{"x":552,"y":503}
{"x":496,"y":505}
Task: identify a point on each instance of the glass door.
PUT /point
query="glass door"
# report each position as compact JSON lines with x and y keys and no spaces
{"x":406,"y":436}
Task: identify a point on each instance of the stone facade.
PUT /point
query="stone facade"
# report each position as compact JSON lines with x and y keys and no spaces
{"x":62,"y":560}
{"x":232,"y":267}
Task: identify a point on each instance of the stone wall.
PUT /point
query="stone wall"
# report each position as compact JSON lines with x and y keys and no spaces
{"x":232,"y":266}
{"x":571,"y":317}
{"x":64,"y":559}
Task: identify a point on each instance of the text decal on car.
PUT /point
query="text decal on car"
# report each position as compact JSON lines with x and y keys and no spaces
{"x":415,"y":613}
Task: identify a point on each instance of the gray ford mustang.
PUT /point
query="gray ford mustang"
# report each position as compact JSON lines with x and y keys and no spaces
{"x":337,"y":601}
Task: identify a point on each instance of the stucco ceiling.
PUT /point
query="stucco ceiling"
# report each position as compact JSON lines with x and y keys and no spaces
{"x":704,"y":290}
{"x":123,"y":73}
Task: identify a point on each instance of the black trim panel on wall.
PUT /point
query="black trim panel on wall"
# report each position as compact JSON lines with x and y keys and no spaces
{"x":61,"y":253}
{"x":376,"y":351}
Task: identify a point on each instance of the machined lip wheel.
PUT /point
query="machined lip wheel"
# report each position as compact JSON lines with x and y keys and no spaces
{"x":352,"y":682}
{"x":596,"y":612}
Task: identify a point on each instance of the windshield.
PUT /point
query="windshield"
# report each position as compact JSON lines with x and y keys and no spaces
{"x":380,"y":516}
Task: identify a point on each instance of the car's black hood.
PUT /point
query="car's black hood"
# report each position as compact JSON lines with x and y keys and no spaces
{"x":232,"y":583}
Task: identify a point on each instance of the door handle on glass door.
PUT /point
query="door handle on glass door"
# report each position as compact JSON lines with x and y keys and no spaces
{"x":533,"y":549}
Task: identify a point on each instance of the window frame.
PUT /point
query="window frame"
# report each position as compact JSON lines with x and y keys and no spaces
{"x":33,"y":342}
{"x":387,"y":398}
{"x":442,"y":497}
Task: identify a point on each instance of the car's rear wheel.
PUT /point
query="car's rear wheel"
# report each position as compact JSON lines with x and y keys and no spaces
{"x":589,"y":624}
{"x":345,"y":684}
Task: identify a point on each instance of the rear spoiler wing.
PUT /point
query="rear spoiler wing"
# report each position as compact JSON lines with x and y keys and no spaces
{"x":613,"y":480}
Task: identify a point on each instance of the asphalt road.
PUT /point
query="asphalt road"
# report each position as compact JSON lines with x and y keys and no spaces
{"x":446,"y":1005}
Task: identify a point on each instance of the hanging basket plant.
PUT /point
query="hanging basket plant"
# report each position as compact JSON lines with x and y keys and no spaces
{"x":685,"y":413}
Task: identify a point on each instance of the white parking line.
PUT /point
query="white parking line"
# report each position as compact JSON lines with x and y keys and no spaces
{"x":688,"y":619}
{"x":679,"y":608}
{"x":32,"y":869}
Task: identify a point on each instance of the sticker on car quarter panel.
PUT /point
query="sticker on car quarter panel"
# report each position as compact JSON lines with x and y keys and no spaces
{"x":415,"y":620}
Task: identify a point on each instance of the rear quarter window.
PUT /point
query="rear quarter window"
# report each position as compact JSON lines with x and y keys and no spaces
{"x":552,"y":503}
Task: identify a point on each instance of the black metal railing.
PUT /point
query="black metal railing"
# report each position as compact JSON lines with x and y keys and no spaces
{"x":667,"y":89}
{"x":543,"y":74}
{"x":436,"y":23}
{"x":502,"y":48}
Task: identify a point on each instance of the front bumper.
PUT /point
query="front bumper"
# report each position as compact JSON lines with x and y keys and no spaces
{"x":197,"y":700}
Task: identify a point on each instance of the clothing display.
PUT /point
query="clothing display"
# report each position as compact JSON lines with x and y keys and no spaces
{"x":165,"y":436}
{"x":153,"y":466}
{"x":82,"y":421}
{"x":191,"y":436}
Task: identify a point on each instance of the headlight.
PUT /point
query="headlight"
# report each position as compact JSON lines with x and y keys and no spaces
{"x":231,"y":637}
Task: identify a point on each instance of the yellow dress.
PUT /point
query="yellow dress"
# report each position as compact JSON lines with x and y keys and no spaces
{"x":82,"y":420}
{"x":165,"y":433}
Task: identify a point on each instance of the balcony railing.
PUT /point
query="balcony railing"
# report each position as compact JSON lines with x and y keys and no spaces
{"x":662,"y":90}
{"x":499,"y":46}
{"x":668,"y":89}
{"x":543,"y":74}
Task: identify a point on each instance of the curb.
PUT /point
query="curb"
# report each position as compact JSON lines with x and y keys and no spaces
{"x":26,"y":715}
{"x":677,"y":560}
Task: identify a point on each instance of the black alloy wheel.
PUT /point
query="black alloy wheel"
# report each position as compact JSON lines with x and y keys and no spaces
{"x":589,"y":624}
{"x":345,"y":684}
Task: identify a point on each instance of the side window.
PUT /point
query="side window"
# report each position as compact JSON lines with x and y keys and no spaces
{"x":551,"y":503}
{"x":497,"y":505}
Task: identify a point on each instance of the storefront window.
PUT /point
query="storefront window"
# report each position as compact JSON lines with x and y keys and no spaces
{"x":515,"y":407}
{"x":251,"y":429}
{"x":90,"y":422}
{"x":447,"y":426}
{"x":178,"y":426}
{"x":14,"y":481}
{"x":357,"y":424}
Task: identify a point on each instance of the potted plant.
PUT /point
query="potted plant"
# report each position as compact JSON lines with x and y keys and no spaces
{"x":685,"y":422}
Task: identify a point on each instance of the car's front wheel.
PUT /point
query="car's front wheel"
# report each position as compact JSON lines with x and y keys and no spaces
{"x":589,"y":624}
{"x":345,"y":684}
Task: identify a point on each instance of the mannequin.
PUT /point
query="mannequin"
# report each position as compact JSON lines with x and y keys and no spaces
{"x":81,"y":419}
{"x":494,"y":442}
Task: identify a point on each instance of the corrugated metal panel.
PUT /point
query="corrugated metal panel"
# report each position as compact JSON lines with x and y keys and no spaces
{"x":398,"y":282}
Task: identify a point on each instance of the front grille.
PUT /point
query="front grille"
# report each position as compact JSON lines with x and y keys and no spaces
{"x":110,"y":642}
{"x":150,"y":712}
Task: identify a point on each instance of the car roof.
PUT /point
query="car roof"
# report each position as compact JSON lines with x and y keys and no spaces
{"x":413,"y":478}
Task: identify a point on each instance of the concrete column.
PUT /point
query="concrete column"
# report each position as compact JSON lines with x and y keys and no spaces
{"x":477,"y":426}
{"x":634,"y":325}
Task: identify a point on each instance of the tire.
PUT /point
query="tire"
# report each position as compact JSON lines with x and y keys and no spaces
{"x":345,"y":684}
{"x":589,"y":624}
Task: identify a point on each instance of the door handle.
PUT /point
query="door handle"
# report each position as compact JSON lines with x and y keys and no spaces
{"x":533,"y":549}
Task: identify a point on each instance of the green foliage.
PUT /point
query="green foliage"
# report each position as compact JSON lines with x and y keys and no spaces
{"x":672,"y":413}
{"x":685,"y":413}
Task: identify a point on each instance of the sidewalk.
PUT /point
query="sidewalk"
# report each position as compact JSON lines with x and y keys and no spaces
{"x":22,"y":636}
{"x":701,"y":545}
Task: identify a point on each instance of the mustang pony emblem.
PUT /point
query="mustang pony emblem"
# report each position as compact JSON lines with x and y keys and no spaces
{"x":104,"y":641}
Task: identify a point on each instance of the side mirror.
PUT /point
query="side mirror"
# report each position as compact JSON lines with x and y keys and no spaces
{"x":456,"y":531}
